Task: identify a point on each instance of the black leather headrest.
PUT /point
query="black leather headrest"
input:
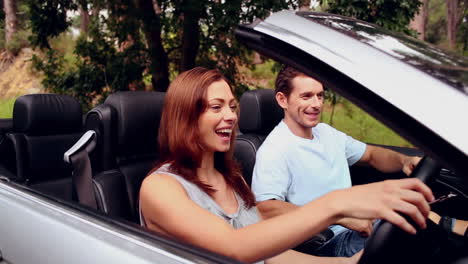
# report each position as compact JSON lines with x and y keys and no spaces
{"x":137,"y":115}
{"x":47,"y":114}
{"x":259,"y":112}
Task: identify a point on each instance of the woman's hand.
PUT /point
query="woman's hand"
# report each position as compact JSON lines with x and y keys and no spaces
{"x":385,"y":200}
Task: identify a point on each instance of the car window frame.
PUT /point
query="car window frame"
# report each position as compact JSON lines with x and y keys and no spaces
{"x":403,"y":124}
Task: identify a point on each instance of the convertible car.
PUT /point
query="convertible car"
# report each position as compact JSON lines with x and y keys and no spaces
{"x":69,"y":181}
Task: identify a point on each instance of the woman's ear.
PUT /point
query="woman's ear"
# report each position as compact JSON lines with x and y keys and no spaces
{"x":282,"y":100}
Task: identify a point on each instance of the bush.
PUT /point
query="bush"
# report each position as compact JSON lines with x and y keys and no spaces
{"x":19,"y":41}
{"x":6,"y":107}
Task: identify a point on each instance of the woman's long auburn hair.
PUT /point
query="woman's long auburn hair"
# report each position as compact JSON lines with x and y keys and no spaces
{"x":179,"y":139}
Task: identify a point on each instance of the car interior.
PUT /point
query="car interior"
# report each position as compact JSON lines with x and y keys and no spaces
{"x":45,"y":126}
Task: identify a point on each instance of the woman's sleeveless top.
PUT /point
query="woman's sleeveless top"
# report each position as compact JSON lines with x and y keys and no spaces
{"x":243,"y":217}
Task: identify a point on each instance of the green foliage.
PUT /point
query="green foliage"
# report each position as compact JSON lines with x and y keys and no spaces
{"x":19,"y":41}
{"x":394,"y":15}
{"x":48,"y":18}
{"x":119,"y":50}
{"x":391,"y":14}
{"x":99,"y":67}
{"x":264,"y":70}
{"x":260,"y":75}
{"x":2,"y":12}
{"x":436,"y":28}
{"x":6,"y":107}
{"x":218,"y":47}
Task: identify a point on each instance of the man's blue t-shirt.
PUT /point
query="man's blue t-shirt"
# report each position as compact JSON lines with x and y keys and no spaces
{"x":298,"y":170}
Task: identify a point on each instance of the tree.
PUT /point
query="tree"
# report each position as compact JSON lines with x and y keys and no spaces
{"x":138,"y":39}
{"x":152,"y":26}
{"x":419,"y":22}
{"x":84,"y":25}
{"x":304,"y":5}
{"x":11,"y":22}
{"x":437,"y":29}
{"x":191,"y":13}
{"x":456,"y":11}
{"x":2,"y":25}
{"x":452,"y":19}
{"x":391,"y":14}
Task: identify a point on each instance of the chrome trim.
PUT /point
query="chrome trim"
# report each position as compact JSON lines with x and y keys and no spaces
{"x":87,"y":140}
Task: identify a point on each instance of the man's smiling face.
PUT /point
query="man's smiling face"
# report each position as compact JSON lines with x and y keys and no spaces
{"x":304,"y":104}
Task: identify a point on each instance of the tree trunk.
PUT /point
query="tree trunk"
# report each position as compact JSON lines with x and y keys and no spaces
{"x":95,"y":9}
{"x":304,"y":5}
{"x":419,"y":21}
{"x":84,"y":21}
{"x":152,"y":29}
{"x":156,"y":7}
{"x":257,"y":58}
{"x":191,"y":11}
{"x":11,"y":22}
{"x":452,"y":19}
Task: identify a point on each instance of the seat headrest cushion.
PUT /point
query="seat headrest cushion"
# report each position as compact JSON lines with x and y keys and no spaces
{"x":259,"y":112}
{"x":138,"y":114}
{"x":47,"y":114}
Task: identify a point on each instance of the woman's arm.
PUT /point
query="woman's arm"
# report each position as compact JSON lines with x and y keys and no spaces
{"x":166,"y":206}
{"x":292,"y":256}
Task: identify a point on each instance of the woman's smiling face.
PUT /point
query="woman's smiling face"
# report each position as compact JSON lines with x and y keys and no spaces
{"x":217,"y":122}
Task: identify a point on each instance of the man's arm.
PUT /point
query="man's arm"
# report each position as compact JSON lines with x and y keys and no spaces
{"x":271,"y":208}
{"x":387,"y":160}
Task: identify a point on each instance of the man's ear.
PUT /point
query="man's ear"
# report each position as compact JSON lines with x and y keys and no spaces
{"x":282,"y":100}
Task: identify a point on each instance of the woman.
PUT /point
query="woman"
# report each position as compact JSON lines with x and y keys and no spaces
{"x":197,"y":194}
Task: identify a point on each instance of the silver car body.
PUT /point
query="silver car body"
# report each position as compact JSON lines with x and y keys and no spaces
{"x":38,"y":230}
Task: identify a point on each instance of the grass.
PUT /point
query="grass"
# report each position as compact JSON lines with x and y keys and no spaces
{"x":358,"y":124}
{"x":6,"y":107}
{"x":260,"y":75}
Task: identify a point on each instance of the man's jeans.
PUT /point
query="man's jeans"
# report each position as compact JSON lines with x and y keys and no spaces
{"x":345,"y":244}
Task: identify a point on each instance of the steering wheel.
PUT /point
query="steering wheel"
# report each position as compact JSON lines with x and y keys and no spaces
{"x":390,"y":244}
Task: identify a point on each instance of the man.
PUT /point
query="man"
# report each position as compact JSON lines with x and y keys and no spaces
{"x":302,"y":159}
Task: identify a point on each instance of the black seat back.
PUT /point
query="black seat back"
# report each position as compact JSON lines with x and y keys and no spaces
{"x":126,"y":125}
{"x":44,"y":127}
{"x":259,"y":114}
{"x":7,"y":156}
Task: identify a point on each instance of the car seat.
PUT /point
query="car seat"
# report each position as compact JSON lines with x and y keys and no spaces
{"x":126,"y":148}
{"x":44,"y":127}
{"x":259,"y":114}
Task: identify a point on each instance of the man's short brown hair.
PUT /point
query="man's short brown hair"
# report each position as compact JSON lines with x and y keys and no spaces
{"x":283,"y":80}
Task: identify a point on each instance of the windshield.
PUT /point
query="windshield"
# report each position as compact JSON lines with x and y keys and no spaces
{"x":446,"y":67}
